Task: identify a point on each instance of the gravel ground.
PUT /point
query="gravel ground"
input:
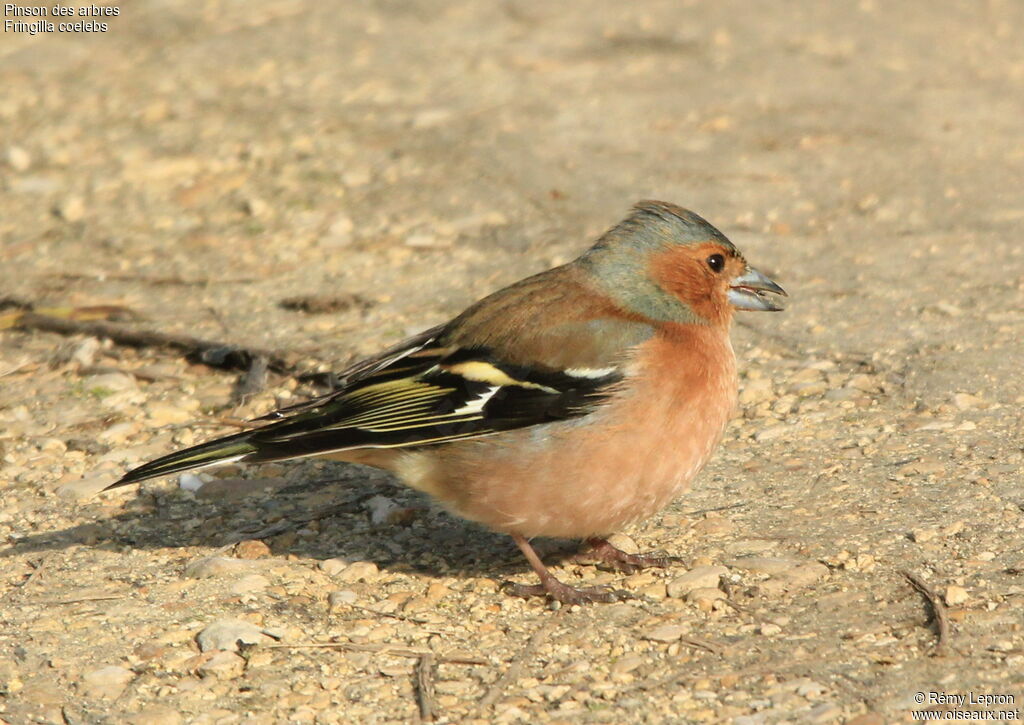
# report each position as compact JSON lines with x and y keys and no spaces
{"x":199,"y":164}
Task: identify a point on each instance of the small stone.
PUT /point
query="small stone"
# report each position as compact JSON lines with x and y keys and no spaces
{"x":359,"y":571}
{"x":226,"y":634}
{"x":341,"y":599}
{"x":256,"y":208}
{"x":110,"y":382}
{"x":118,"y":433}
{"x":956,"y":595}
{"x":825,"y":712}
{"x":624,"y":543}
{"x":966,"y":401}
{"x":431,"y":117}
{"x":159,"y":414}
{"x":436,"y":591}
{"x":807,"y":375}
{"x":705,"y":597}
{"x":922,"y":535}
{"x":810,"y":688}
{"x":770,"y":629}
{"x":250,"y":583}
{"x":771,"y":433}
{"x":947,"y":308}
{"x":927,"y":466}
{"x":865,"y":383}
{"x":355,"y":177}
{"x":701,"y":577}
{"x":954,"y":528}
{"x":216,"y":566}
{"x":713,"y":526}
{"x":106,"y":682}
{"x":222,"y":666}
{"x":83,"y":352}
{"x":190,"y":482}
{"x":71,"y":209}
{"x":339,"y":234}
{"x":666,"y":632}
{"x":425,"y":240}
{"x":251,"y":549}
{"x":627,"y":663}
{"x":796,"y":578}
{"x":18,"y":158}
{"x":150,"y":650}
{"x":756,"y":391}
{"x":333,"y":567}
{"x":656,"y":591}
{"x":749,"y":546}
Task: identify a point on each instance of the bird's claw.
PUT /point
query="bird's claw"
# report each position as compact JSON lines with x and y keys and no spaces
{"x":603,"y":553}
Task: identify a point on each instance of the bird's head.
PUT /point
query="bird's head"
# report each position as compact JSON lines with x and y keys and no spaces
{"x":667,"y":264}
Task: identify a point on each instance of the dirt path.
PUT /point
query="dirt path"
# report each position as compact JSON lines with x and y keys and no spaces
{"x":201,"y":163}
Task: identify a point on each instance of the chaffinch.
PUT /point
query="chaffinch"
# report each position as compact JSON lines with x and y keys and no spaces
{"x":569,"y":404}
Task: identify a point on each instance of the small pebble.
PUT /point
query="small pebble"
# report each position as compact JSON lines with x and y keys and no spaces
{"x":71,"y":209}
{"x":249,"y":583}
{"x":190,"y":482}
{"x":251,"y":549}
{"x":106,"y":682}
{"x":227,"y":633}
{"x":358,"y":571}
{"x":667,"y":632}
{"x":956,"y":595}
{"x":700,"y":577}
{"x":216,"y":566}
{"x":222,"y":666}
{"x":18,"y":158}
{"x":341,"y":598}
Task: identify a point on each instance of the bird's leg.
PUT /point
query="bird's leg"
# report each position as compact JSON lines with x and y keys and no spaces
{"x":604,"y":552}
{"x":552,"y":587}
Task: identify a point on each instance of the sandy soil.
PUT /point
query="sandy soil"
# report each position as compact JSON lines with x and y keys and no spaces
{"x":199,"y":163}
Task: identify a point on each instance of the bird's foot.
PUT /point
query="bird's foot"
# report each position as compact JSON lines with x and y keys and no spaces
{"x":561,"y":592}
{"x":551,"y":587}
{"x":602,"y":552}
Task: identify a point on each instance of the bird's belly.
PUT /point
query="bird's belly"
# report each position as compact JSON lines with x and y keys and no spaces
{"x":578,"y":478}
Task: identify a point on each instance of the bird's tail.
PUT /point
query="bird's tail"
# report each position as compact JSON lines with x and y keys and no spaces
{"x":223,"y":450}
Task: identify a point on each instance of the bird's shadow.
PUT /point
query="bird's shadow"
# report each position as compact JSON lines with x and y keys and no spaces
{"x":320,"y":514}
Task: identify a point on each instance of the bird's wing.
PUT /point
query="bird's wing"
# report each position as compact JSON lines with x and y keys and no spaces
{"x":434,"y":395}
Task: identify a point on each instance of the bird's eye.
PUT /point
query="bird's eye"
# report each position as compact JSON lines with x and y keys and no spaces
{"x":716,"y":262}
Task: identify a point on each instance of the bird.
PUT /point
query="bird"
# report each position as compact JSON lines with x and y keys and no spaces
{"x":570,"y":404}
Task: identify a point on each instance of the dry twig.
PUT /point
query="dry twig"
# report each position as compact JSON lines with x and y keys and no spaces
{"x":37,"y":569}
{"x":698,"y":643}
{"x":425,"y":687}
{"x":938,"y":609}
{"x":208,"y":352}
{"x":79,"y":600}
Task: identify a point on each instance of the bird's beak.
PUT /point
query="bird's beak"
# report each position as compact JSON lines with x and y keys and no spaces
{"x":753,"y":291}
